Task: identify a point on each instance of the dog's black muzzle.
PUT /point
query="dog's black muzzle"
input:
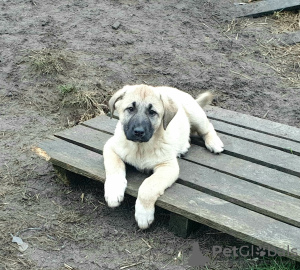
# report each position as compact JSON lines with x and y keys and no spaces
{"x":138,"y":129}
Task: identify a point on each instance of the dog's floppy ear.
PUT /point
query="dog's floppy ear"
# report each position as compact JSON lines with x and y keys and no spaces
{"x":116,"y":96}
{"x":170,"y":110}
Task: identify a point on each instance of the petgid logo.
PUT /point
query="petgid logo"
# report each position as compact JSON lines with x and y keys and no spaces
{"x":198,"y":259}
{"x":253,"y":251}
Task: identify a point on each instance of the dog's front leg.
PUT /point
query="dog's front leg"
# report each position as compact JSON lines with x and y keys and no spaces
{"x":115,"y":182}
{"x":164,"y":176}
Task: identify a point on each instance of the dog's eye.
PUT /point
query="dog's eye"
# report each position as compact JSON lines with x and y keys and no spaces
{"x":130,"y":109}
{"x":152,"y":113}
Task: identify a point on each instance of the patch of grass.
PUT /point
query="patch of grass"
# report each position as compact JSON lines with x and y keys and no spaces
{"x":277,"y":263}
{"x":48,"y":61}
{"x":66,"y":88}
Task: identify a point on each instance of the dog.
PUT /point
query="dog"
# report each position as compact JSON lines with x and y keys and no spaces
{"x":153,"y":130}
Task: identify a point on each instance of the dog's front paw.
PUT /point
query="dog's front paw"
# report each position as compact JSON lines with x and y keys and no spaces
{"x":114,"y":189}
{"x":213,"y":143}
{"x":143,"y":216}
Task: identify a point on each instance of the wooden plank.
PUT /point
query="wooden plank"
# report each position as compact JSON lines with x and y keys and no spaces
{"x":195,"y":205}
{"x":249,"y":195}
{"x":231,"y":165}
{"x":262,"y":8}
{"x":274,"y":204}
{"x":102,"y":123}
{"x":291,"y":38}
{"x":86,"y":137}
{"x":254,"y":123}
{"x":261,"y":154}
{"x":257,"y":137}
{"x":246,"y":170}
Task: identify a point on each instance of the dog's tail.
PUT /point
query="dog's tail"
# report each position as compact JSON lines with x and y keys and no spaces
{"x":204,"y":99}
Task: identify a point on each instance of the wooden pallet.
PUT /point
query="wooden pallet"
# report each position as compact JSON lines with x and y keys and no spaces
{"x":251,"y":191}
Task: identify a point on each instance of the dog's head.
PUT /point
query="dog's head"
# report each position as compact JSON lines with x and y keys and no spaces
{"x":142,"y":111}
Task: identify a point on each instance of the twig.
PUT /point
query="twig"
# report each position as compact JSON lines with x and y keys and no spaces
{"x":241,"y":75}
{"x":265,"y":115}
{"x":130,"y":265}
{"x":9,"y":173}
{"x":68,"y":266}
{"x":28,"y":229}
{"x":146,"y":243}
{"x":41,"y":216}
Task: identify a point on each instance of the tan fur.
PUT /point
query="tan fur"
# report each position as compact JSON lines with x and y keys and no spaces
{"x":178,"y":113}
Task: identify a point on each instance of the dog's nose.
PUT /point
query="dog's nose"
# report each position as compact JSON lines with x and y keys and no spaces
{"x":139,"y":132}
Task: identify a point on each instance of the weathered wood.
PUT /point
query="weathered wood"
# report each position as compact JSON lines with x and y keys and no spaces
{"x":254,"y":123}
{"x":182,"y":226}
{"x":61,"y":151}
{"x":86,"y":137}
{"x":271,"y":203}
{"x":193,"y":204}
{"x":102,"y":123}
{"x":246,"y":170}
{"x":232,"y":165}
{"x":259,"y":154}
{"x":288,"y":146}
{"x":251,"y":196}
{"x":262,"y":8}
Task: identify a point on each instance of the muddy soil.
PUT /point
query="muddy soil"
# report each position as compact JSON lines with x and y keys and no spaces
{"x":186,"y":44}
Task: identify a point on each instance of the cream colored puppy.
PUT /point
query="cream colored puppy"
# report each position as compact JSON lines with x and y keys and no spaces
{"x":153,"y":130}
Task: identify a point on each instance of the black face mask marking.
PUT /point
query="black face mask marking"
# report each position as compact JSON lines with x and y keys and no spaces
{"x":139,"y":127}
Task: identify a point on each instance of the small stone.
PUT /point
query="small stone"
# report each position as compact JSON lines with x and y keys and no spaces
{"x":116,"y":25}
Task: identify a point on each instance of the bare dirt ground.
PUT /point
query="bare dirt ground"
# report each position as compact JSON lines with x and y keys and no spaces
{"x":60,"y":61}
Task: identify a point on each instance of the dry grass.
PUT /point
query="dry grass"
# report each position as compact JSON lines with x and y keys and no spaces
{"x":90,"y":99}
{"x":49,"y":61}
{"x":285,"y":61}
{"x":58,"y":91}
{"x":286,"y":21}
{"x":278,"y":22}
